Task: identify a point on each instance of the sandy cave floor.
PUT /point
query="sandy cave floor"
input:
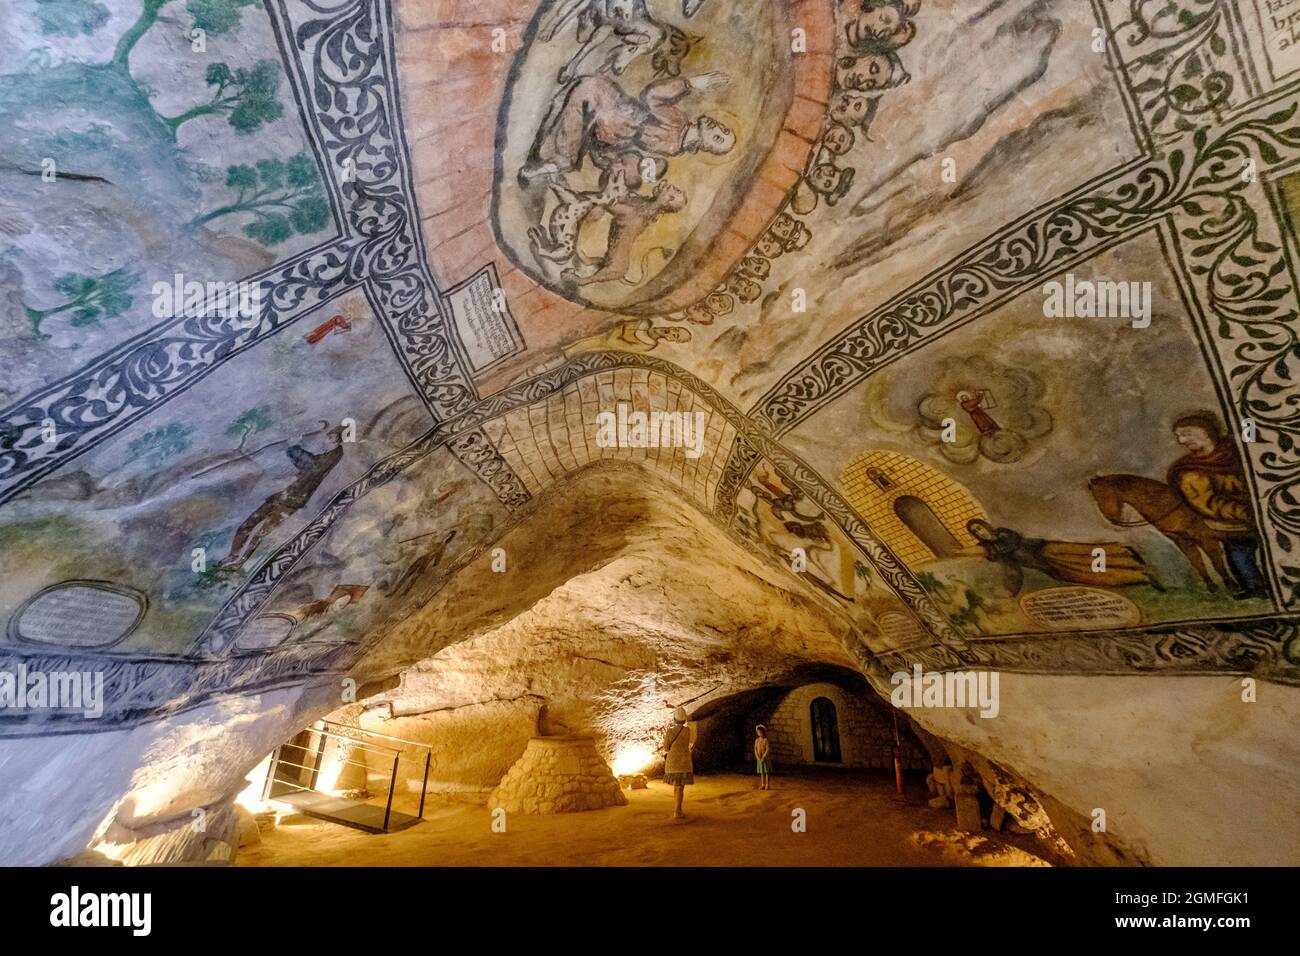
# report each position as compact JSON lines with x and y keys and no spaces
{"x":851,"y":821}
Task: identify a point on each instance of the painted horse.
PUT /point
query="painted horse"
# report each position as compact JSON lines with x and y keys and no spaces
{"x":1164,"y":509}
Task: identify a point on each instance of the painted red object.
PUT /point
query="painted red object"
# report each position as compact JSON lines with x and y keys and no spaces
{"x":337,"y":322}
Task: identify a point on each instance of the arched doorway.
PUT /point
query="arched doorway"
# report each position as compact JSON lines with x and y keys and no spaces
{"x":825,"y":731}
{"x":925,"y":524}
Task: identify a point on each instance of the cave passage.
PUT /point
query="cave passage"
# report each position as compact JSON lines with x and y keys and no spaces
{"x":851,"y":815}
{"x":849,"y":784}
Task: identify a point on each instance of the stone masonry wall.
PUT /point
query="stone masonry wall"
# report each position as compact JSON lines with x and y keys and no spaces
{"x":866,"y":732}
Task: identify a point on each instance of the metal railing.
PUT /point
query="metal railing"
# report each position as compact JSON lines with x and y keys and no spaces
{"x":357,"y":738}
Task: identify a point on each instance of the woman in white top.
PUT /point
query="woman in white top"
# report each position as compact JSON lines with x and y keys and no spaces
{"x":678,"y":769}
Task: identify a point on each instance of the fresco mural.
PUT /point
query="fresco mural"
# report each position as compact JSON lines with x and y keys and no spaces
{"x":1031,"y":482}
{"x":867,"y":65}
{"x":629,"y":134}
{"x":388,"y":556}
{"x":839,"y":237}
{"x":777,"y":518}
{"x":163,"y":135}
{"x":994,"y":453}
{"x":233,"y":474}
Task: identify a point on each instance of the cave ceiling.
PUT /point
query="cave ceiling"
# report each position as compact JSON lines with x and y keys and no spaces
{"x":306,"y":308}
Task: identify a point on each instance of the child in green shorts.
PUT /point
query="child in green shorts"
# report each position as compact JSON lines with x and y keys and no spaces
{"x":763,"y":756}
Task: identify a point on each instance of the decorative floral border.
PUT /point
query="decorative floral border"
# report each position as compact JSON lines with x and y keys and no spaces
{"x":1180,"y":59}
{"x":476,"y":452}
{"x":1206,"y":184}
{"x":344,"y":63}
{"x":342,"y":66}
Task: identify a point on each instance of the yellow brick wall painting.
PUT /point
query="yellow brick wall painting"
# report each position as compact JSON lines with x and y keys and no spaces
{"x":917,"y":510}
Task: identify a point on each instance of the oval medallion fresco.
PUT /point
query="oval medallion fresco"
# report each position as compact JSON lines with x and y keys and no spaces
{"x":629,"y":134}
{"x":79,"y":614}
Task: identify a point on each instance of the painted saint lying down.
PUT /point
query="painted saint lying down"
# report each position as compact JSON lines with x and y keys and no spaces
{"x":1073,"y":562}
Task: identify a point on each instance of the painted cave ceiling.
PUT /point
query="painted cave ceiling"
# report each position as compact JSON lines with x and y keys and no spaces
{"x":304,"y":306}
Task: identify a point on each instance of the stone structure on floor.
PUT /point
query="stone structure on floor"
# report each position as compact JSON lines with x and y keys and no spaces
{"x":558,"y":775}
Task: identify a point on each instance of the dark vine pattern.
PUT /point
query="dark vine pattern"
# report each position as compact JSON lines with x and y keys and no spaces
{"x":129,"y":381}
{"x":1208,"y":185}
{"x":351,"y":81}
{"x":1268,"y":650}
{"x":979,"y":281}
{"x":476,"y":452}
{"x":1179,"y":60}
{"x":345,"y":73}
{"x":1250,"y":295}
{"x":138,"y":690}
{"x":739,"y":464}
{"x":1017,"y":258}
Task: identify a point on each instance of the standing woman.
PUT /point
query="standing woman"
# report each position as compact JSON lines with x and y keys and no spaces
{"x":678,"y":770}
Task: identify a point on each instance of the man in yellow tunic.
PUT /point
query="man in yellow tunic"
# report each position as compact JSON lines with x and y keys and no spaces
{"x":1211,"y":479}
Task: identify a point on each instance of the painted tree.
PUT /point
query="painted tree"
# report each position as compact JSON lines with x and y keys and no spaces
{"x":157,"y":446}
{"x":213,"y":576}
{"x":283,"y":197}
{"x":253,"y":420}
{"x":213,"y":17}
{"x":216,"y":17}
{"x":68,"y":18}
{"x":89,"y":298}
{"x":247,"y":97}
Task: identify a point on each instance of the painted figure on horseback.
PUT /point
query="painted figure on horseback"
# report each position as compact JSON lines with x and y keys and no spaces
{"x":1203,"y":507}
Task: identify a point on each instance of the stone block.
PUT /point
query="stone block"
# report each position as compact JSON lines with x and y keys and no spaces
{"x":247,"y":832}
{"x":968,"y":813}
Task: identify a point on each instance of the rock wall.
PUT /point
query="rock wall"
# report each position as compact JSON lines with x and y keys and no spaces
{"x":62,"y":793}
{"x":1184,"y":772}
{"x":472,"y":745}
